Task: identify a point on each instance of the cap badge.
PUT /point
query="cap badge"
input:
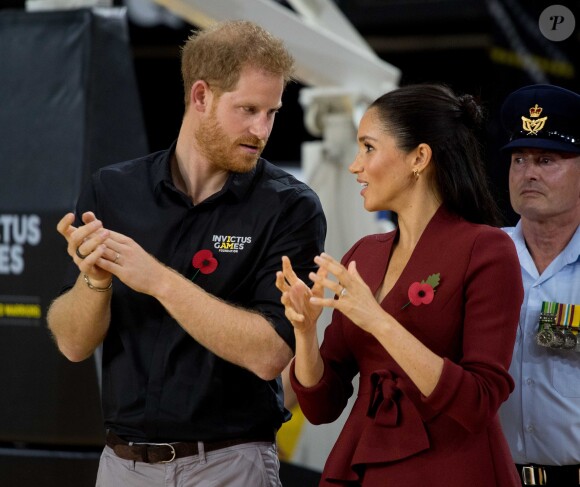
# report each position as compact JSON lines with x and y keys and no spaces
{"x":532,"y":127}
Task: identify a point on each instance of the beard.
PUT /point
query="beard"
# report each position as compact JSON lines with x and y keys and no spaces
{"x":221,"y":151}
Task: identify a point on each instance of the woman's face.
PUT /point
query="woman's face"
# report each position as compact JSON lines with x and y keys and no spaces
{"x":383,"y":170}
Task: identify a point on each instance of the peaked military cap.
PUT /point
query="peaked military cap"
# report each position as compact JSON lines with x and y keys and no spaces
{"x":542,"y":117}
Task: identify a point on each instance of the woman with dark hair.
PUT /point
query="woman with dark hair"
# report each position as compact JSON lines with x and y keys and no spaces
{"x":426,"y":314}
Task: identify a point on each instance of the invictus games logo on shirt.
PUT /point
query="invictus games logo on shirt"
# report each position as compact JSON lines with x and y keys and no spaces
{"x":230,"y":243}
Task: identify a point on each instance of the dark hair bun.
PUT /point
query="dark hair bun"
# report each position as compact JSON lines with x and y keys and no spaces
{"x":471,"y":111}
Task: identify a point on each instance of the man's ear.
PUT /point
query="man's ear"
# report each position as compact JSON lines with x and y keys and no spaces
{"x":200,"y":96}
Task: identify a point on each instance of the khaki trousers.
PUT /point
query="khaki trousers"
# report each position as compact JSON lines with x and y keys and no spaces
{"x":250,"y":464}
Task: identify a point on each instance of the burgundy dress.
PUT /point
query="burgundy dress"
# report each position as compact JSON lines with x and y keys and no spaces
{"x":394,"y":435}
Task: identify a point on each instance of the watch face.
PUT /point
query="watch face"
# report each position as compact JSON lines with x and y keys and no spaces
{"x":544,"y":337}
{"x":569,"y":340}
{"x":558,"y":339}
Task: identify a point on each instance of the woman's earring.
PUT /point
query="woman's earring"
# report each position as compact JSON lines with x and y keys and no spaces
{"x":416,"y":173}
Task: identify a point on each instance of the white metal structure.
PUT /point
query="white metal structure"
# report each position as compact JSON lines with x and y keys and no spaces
{"x":328,"y":50}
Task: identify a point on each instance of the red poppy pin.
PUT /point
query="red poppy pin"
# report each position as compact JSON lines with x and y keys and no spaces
{"x":204,"y":262}
{"x":422,"y":292}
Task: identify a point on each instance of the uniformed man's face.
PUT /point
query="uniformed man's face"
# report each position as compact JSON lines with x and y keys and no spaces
{"x":545,"y":184}
{"x":238,"y":124}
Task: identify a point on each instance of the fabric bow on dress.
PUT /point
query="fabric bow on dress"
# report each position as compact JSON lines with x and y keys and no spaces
{"x":389,"y":408}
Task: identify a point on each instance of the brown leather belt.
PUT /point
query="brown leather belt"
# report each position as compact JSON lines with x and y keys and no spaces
{"x":558,"y":476}
{"x":167,"y":452}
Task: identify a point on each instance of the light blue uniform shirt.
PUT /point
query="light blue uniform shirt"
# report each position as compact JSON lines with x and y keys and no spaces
{"x":541,"y":418}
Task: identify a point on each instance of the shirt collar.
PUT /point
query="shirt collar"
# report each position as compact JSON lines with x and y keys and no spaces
{"x":569,"y":255}
{"x":572,"y":251}
{"x":161,"y":172}
{"x":237,"y":184}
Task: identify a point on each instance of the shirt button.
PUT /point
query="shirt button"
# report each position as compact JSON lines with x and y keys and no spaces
{"x":530,"y":382}
{"x":530,"y":428}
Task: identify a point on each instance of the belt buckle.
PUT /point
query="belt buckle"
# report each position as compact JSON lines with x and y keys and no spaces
{"x":173,"y":452}
{"x":529,"y":475}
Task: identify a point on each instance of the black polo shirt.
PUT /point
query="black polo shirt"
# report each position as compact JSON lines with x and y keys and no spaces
{"x":159,"y":384}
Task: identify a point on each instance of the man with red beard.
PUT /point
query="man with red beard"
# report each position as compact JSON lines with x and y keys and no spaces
{"x":541,"y":418}
{"x":174,"y":260}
